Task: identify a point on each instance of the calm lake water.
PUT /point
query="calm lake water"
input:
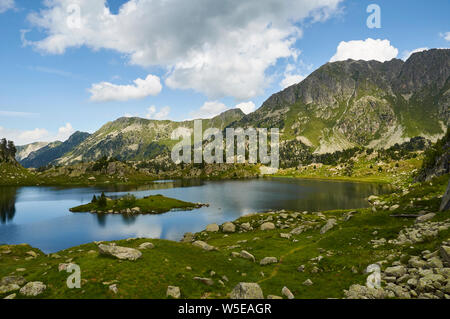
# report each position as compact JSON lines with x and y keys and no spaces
{"x":40,"y":216}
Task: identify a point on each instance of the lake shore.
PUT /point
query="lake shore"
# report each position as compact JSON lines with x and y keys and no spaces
{"x":303,"y":251}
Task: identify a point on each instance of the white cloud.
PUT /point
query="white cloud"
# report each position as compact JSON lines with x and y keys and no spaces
{"x":445,"y":36}
{"x":407,"y":54}
{"x":105,"y":91}
{"x":162,"y":114}
{"x":291,"y":79}
{"x":246,"y":107}
{"x":22,"y":137}
{"x":209,"y":110}
{"x":6,"y":5}
{"x":220,"y":48}
{"x":369,"y":49}
{"x":65,"y":132}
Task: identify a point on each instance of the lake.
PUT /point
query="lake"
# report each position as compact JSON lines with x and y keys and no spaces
{"x":40,"y":216}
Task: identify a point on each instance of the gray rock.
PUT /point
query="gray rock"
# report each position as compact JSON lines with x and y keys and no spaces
{"x":8,"y":288}
{"x":425,"y":218}
{"x":397,"y":271}
{"x":435,"y":262}
{"x":146,"y":246}
{"x":12,"y":280}
{"x":328,"y":226}
{"x":228,"y":228}
{"x":267,"y":226}
{"x":308,"y":282}
{"x":394,"y":207}
{"x":206,"y":281}
{"x":445,"y":204}
{"x":33,"y":289}
{"x":212,"y":228}
{"x":188,"y":238}
{"x":123,"y":253}
{"x":286,"y":292}
{"x":245,"y":254}
{"x":268,"y":261}
{"x":246,"y":226}
{"x":274,"y":297}
{"x":445,"y":254}
{"x":174,"y":292}
{"x":204,"y":245}
{"x":114,"y":288}
{"x":246,"y":290}
{"x":12,"y":296}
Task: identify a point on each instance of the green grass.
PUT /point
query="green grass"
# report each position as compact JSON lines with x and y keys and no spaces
{"x":156,"y":204}
{"x":148,"y":277}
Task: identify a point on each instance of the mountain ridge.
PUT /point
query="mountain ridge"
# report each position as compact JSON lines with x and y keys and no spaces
{"x":340,"y":105}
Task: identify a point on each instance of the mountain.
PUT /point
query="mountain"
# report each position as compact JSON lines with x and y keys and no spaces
{"x":25,"y":150}
{"x":48,"y":154}
{"x":138,"y":139}
{"x":363,"y":103}
{"x":341,"y":105}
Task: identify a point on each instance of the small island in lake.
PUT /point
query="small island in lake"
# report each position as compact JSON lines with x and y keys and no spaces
{"x":129,"y":204}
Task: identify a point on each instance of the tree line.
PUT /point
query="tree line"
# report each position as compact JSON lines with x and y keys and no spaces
{"x":7,"y":150}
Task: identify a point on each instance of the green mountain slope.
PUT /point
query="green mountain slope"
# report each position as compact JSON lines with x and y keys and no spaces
{"x":138,"y":139}
{"x":363,"y":103}
{"x":48,"y":154}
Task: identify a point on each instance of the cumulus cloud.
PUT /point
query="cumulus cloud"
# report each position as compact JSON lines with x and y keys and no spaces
{"x":6,"y":5}
{"x":291,"y":79}
{"x":445,"y":36}
{"x":369,"y":49}
{"x":106,"y":91}
{"x":162,"y":114}
{"x":22,"y":137}
{"x":407,"y":54}
{"x":246,"y":107}
{"x":222,"y":49}
{"x":65,"y":132}
{"x":211,"y":109}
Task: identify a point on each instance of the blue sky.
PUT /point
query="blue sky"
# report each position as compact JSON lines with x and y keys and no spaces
{"x":63,"y":71}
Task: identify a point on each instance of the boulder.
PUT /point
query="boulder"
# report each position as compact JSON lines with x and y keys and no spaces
{"x":228,"y":228}
{"x":308,"y":282}
{"x":146,"y":246}
{"x":14,"y":280}
{"x":246,"y":290}
{"x":396,"y":271}
{"x":286,"y":292}
{"x":212,"y":228}
{"x":245,"y":254}
{"x":188,"y":238}
{"x":246,"y":226}
{"x":425,"y":217}
{"x":268,"y":226}
{"x":8,"y":288}
{"x":445,"y":254}
{"x":445,"y":204}
{"x":328,"y":226}
{"x":206,"y":281}
{"x":268,"y":261}
{"x":394,"y":207}
{"x":174,"y":292}
{"x":123,"y":253}
{"x":203,"y":245}
{"x":33,"y":289}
